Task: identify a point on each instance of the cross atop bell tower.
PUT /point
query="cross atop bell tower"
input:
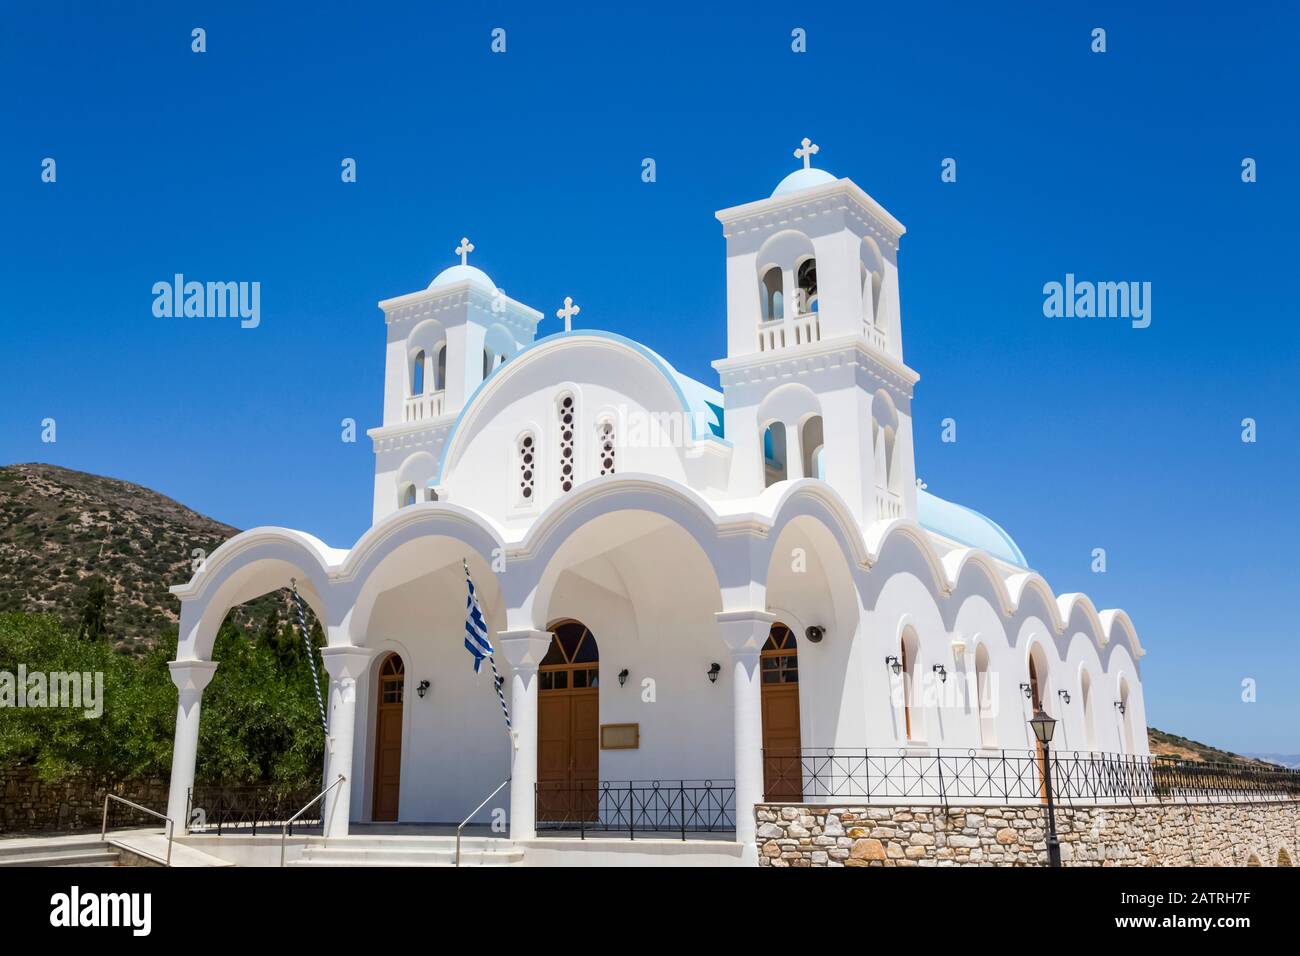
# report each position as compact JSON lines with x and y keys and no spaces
{"x":806,"y":151}
{"x":463,"y":250}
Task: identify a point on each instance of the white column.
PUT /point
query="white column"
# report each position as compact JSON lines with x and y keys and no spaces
{"x":190,"y":678}
{"x":524,"y":649}
{"x":345,"y":666}
{"x":794,"y":451}
{"x":745,"y":632}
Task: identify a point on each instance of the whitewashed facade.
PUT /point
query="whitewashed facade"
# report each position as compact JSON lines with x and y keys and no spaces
{"x":585,"y":480}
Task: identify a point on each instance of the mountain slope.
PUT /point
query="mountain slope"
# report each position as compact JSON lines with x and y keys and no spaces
{"x":59,"y":528}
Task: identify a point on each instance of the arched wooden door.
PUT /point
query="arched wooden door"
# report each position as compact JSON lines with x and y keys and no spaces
{"x":782,"y":766}
{"x":568,"y":726}
{"x":388,"y":738}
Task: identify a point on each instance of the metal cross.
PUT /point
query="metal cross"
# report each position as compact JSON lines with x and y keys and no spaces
{"x":807,"y":151}
{"x":567,"y":313}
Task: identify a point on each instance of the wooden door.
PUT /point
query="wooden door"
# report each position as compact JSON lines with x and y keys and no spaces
{"x":782,"y":763}
{"x":568,"y":727}
{"x":388,"y":738}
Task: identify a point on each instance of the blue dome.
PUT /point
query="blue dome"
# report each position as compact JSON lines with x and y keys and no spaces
{"x":459,"y":273}
{"x":802,"y":179}
{"x":968,"y":527}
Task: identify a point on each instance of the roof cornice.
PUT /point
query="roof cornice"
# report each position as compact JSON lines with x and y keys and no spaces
{"x":738,"y":215}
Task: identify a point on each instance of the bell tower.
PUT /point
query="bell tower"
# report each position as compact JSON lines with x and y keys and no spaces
{"x":443,"y":342}
{"x":814,"y":376}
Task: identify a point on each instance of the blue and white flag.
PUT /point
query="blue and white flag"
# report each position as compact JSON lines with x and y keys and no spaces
{"x":476,"y":632}
{"x":478,"y":645}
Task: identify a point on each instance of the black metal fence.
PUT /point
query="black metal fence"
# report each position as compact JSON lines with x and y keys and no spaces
{"x":247,"y":808}
{"x":1013,"y":776}
{"x":633,"y":807}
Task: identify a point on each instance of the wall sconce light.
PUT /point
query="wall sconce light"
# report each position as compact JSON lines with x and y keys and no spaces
{"x":1064,"y":695}
{"x":814,"y":634}
{"x":1119,"y":705}
{"x":1027,"y":691}
{"x":422,"y":688}
{"x":893,"y":664}
{"x":714,"y":670}
{"x":942,"y":672}
{"x":622,"y":677}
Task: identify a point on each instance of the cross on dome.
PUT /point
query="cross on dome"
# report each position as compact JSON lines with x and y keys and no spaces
{"x":463,"y":250}
{"x":806,"y":151}
{"x":567,"y":313}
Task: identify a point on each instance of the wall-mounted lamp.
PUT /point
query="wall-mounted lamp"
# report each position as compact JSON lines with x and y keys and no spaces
{"x":942,"y":672}
{"x":1064,"y":695}
{"x":814,"y":634}
{"x":1027,"y":691}
{"x":622,"y":677}
{"x":893,"y":664}
{"x":1119,"y":705}
{"x":422,"y":688}
{"x":714,"y":670}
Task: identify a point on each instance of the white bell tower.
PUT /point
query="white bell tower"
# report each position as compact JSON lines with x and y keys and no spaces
{"x":814,"y":377}
{"x":443,"y":342}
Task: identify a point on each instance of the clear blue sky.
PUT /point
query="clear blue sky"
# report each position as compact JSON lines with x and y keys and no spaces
{"x":1074,"y":434}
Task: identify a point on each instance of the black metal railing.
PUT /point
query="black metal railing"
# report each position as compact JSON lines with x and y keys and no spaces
{"x":247,"y":808}
{"x":632,"y":807}
{"x":1012,"y":776}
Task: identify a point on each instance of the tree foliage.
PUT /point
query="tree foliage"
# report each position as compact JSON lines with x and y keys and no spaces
{"x":260,"y":722}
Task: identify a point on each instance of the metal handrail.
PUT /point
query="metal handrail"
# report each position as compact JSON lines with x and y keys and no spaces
{"x":474,"y":811}
{"x":284,"y":829}
{"x":103,"y":830}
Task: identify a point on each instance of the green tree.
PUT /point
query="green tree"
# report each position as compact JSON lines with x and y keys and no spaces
{"x":94,"y":611}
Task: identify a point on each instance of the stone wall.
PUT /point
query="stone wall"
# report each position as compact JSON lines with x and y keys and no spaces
{"x":28,"y":805}
{"x":1220,"y":834}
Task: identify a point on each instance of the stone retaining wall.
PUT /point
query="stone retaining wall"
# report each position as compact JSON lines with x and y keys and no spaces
{"x":1221,"y":834}
{"x":29,"y":805}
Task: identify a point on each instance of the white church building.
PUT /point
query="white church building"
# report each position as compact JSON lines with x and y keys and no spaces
{"x":683,"y":581}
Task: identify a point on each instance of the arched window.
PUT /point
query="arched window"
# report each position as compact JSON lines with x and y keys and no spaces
{"x":984,"y":695}
{"x":440,"y":373}
{"x":526,"y":453}
{"x":811,"y":440}
{"x":1089,"y":725}
{"x":884,"y":434}
{"x":774,"y":467}
{"x":773,"y":300}
{"x":408,"y":495}
{"x":488,"y":363}
{"x":605,"y":446}
{"x":430,"y":494}
{"x":565,"y":408}
{"x":806,"y":280}
{"x":909,"y":657}
{"x":417,"y":373}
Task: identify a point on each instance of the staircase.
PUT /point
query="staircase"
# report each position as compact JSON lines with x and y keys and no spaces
{"x":77,"y":850}
{"x":407,"y":851}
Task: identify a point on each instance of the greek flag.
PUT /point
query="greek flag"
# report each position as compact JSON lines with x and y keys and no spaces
{"x":476,"y":632}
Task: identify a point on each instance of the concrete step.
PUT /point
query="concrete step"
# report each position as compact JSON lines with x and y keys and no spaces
{"x":404,"y":856}
{"x":99,"y":856}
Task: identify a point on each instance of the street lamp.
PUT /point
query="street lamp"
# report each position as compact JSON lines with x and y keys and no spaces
{"x":1044,"y":726}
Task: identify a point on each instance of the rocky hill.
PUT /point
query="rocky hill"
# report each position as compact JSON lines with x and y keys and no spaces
{"x":60,"y":528}
{"x":1181,"y":748}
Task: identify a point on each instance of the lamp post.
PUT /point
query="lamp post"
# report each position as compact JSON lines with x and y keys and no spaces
{"x":1044,"y":726}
